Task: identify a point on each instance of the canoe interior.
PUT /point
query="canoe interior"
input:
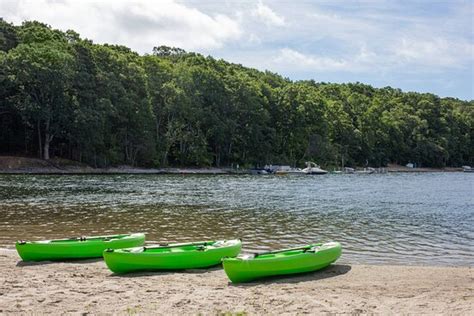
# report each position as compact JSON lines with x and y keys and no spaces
{"x":282,"y":253}
{"x":91,"y":238}
{"x":184,"y":247}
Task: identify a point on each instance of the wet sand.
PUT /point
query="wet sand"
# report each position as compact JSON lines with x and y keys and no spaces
{"x":89,"y":287}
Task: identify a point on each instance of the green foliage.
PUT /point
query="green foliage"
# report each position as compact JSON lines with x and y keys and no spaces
{"x":42,"y":72}
{"x":107,"y":105}
{"x":8,"y":36}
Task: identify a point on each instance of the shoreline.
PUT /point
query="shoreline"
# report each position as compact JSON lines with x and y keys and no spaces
{"x":119,"y":171}
{"x":89,"y":287}
{"x":34,"y":166}
{"x":23,"y":166}
{"x":174,"y":171}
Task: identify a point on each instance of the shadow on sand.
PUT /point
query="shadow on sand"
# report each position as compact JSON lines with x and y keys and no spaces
{"x":329,"y":272}
{"x":72,"y":261}
{"x":165,"y":272}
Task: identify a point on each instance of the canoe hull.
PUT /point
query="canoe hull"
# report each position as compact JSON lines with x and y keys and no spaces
{"x":75,"y":249}
{"x":132,"y":260}
{"x":244,"y":270}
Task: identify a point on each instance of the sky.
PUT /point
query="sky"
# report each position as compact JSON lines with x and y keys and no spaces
{"x":423,"y":46}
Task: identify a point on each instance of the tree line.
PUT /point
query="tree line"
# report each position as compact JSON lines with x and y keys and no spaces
{"x":64,"y":96}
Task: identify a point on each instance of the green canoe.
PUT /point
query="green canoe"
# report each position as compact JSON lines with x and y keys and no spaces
{"x":171,"y":257}
{"x":286,"y":261}
{"x":75,"y":248}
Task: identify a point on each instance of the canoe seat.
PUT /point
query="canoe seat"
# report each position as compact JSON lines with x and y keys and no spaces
{"x":219,"y":243}
{"x":246,"y":257}
{"x":222,"y":243}
{"x":312,"y":249}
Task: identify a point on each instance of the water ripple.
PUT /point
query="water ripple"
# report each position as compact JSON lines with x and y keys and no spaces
{"x":391,"y":218}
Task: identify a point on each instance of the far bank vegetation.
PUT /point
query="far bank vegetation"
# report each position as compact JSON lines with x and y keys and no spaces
{"x":64,"y":96}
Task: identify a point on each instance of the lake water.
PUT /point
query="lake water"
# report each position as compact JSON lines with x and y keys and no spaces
{"x":423,"y":218}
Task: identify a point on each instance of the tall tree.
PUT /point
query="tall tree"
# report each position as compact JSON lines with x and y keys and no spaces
{"x":43,"y":71}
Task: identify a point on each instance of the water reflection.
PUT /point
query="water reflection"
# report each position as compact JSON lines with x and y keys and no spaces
{"x":415,"y":218}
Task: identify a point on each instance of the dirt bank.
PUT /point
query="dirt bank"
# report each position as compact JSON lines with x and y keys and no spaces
{"x":24,"y":165}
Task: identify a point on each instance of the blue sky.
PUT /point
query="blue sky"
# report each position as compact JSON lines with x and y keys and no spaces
{"x":425,"y":46}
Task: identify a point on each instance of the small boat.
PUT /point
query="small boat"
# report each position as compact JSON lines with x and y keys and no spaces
{"x":76,"y":248}
{"x":256,"y":171}
{"x":368,"y":170}
{"x":281,"y":262}
{"x":296,"y":171}
{"x":180,"y":256}
{"x":312,"y":168}
{"x":467,"y":169}
{"x":349,"y":170}
{"x":290,"y":171}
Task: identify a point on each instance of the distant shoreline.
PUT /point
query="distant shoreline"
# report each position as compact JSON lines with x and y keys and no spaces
{"x":216,"y":171}
{"x":34,"y":166}
{"x":118,"y":171}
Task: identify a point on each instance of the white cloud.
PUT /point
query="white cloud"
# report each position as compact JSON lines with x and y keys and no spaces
{"x":361,"y":61}
{"x":346,"y":28}
{"x":434,"y":56}
{"x":438,"y":51}
{"x":358,"y":41}
{"x":268,"y":16}
{"x":367,"y":43}
{"x":139,"y":24}
{"x":296,"y":59}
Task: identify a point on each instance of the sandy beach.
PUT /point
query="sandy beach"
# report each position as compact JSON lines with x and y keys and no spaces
{"x":89,"y":287}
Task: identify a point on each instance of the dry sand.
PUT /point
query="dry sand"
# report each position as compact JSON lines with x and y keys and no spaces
{"x":89,"y":287}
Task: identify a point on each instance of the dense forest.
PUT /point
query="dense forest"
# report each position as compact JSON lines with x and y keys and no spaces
{"x":64,"y":96}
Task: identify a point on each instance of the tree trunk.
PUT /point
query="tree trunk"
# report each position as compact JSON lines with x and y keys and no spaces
{"x":26,"y":141}
{"x":40,"y":145}
{"x":165,"y":158}
{"x":47,"y":140}
{"x":134,"y":156}
{"x":157,"y":126}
